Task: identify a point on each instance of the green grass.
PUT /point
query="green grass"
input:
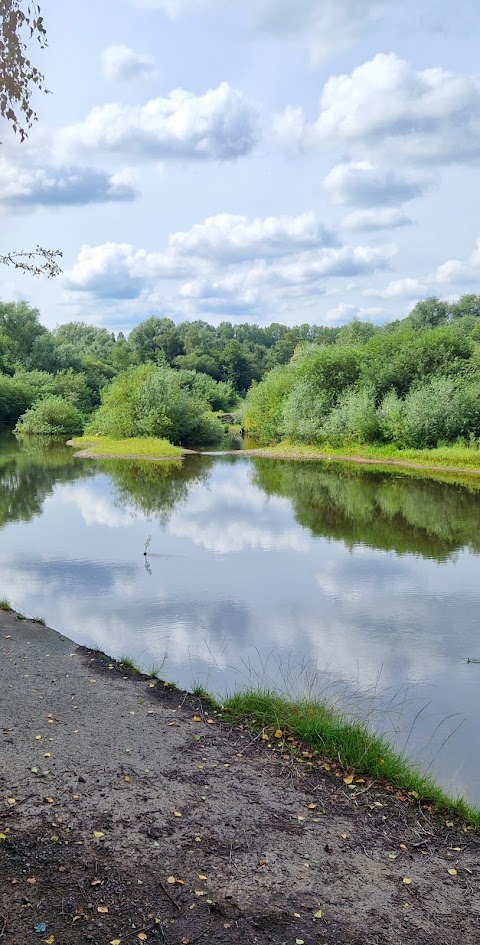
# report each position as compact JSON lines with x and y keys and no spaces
{"x":128,"y":663}
{"x":343,"y":742}
{"x":460,"y":456}
{"x":5,"y":604}
{"x":134,"y":447}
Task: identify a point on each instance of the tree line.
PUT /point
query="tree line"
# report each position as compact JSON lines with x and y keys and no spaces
{"x":412,"y":382}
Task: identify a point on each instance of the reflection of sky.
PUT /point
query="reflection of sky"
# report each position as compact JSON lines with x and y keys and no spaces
{"x":238,"y":590}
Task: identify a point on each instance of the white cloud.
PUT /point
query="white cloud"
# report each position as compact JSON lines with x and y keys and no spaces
{"x":23,"y":187}
{"x":451,"y":272}
{"x":219,"y":125}
{"x":122,"y":64}
{"x":407,"y":288}
{"x":344,"y":313}
{"x":364,"y":184}
{"x":383,"y":218}
{"x":428,"y":116}
{"x":116,"y":270}
{"x":232,"y":237}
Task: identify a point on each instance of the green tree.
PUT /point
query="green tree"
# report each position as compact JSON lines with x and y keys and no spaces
{"x":52,"y":416}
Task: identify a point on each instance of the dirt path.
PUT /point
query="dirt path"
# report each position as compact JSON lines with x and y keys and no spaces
{"x":123,"y":818}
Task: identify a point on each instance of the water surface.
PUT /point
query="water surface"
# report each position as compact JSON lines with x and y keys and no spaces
{"x":297,"y":574}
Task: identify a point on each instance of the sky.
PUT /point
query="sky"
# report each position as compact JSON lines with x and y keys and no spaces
{"x":271,"y":160}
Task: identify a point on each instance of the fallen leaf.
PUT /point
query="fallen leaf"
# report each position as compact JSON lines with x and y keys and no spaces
{"x":31,"y":881}
{"x":3,"y":836}
{"x":128,"y":778}
{"x":449,"y":823}
{"x":47,"y":754}
{"x":98,"y":834}
{"x":210,"y":721}
{"x":403,"y":846}
{"x":172,"y":723}
{"x":312,"y":806}
{"x":93,"y":681}
{"x":299,"y":941}
{"x":11,"y":801}
{"x":96,"y":881}
{"x":344,"y":836}
{"x":171,"y":880}
{"x":201,"y":876}
{"x":278,"y":733}
{"x":50,"y":940}
{"x":142,"y":936}
{"x":453,"y":872}
{"x":318,"y":915}
{"x":197,"y":718}
{"x":49,"y":800}
{"x":348,"y":780}
{"x":103,"y":909}
{"x":177,"y":813}
{"x":116,"y":941}
{"x":406,"y":881}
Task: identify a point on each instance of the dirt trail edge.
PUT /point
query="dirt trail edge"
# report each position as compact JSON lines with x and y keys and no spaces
{"x":129,"y":812}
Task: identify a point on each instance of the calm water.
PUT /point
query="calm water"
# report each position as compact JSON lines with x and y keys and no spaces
{"x":362,"y":584}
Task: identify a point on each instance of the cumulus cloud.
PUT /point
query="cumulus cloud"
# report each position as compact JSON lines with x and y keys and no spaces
{"x":228,"y":236}
{"x":364,"y":184}
{"x":382,"y":218}
{"x":219,"y":125}
{"x":451,"y":272}
{"x":25,"y":188}
{"x":122,"y":64}
{"x":407,"y":288}
{"x":118,"y":271}
{"x":425,"y":116}
{"x":323,"y":28}
{"x":344,"y":313}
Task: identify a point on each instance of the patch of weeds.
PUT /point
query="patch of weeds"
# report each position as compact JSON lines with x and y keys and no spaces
{"x":39,"y":620}
{"x":5,"y":605}
{"x":200,"y":691}
{"x":130,"y":664}
{"x":335,"y":738}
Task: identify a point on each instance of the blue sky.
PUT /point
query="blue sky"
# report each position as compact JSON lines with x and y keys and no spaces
{"x":276,"y":160}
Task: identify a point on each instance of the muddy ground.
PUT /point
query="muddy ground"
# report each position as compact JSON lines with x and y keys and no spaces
{"x":131,"y":812}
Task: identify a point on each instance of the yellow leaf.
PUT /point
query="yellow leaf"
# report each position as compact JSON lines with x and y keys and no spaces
{"x":50,"y":940}
{"x":98,"y":834}
{"x":278,"y":733}
{"x":47,"y":754}
{"x":3,"y":836}
{"x":349,"y":779}
{"x":171,"y":880}
{"x":299,"y":941}
{"x":297,"y":915}
{"x":449,"y":823}
{"x":172,"y":723}
{"x":403,"y":846}
{"x":197,"y":718}
{"x":151,"y":685}
{"x":142,"y":936}
{"x":210,"y":721}
{"x":312,"y":806}
{"x":116,"y":941}
{"x":318,"y":915}
{"x":127,"y":778}
{"x":177,"y":813}
{"x":93,"y":681}
{"x":11,"y":801}
{"x":103,"y":909}
{"x":38,"y":738}
{"x":49,"y":800}
{"x":76,"y":918}
{"x":453,"y":872}
{"x":265,"y":737}
{"x":406,"y":881}
{"x":344,"y":836}
{"x":201,"y":876}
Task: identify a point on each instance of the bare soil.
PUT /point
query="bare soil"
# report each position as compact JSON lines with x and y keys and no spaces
{"x":130,"y":811}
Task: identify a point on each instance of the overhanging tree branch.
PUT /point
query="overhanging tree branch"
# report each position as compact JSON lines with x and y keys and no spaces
{"x":19,"y":22}
{"x":42,"y":262}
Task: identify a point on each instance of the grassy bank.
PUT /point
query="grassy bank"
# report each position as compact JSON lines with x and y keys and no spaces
{"x":134,"y":448}
{"x":344,"y":746}
{"x":453,"y":457}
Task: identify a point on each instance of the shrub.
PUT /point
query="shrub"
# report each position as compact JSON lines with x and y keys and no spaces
{"x":53,"y":416}
{"x":354,"y":417}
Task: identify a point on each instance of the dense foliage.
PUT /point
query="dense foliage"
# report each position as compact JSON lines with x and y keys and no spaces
{"x":153,"y":400}
{"x":52,"y":416}
{"x":413,"y":383}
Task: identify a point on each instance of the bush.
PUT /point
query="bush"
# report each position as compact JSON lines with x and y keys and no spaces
{"x":304,"y":413}
{"x":265,"y":403}
{"x":53,"y":416}
{"x":432,"y":413}
{"x":150,"y":401}
{"x":15,"y":398}
{"x":354,"y":417}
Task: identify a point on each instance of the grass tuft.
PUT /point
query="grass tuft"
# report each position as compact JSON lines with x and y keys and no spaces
{"x":5,"y":605}
{"x":350,"y":744}
{"x":128,"y":663}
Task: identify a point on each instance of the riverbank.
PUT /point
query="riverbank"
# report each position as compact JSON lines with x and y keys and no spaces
{"x":446,"y":459}
{"x":186,"y":828}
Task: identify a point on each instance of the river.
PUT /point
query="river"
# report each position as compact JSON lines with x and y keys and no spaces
{"x":358,"y":585}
